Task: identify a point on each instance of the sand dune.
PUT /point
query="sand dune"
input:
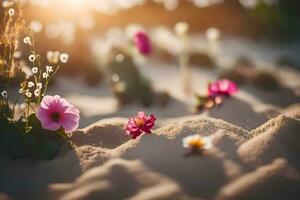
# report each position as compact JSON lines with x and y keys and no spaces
{"x":105,"y":164}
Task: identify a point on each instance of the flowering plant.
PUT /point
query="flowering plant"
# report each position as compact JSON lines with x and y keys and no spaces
{"x":36,"y":127}
{"x":215,"y":93}
{"x":139,"y":124}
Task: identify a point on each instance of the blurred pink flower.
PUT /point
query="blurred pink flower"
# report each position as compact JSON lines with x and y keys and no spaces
{"x":142,"y":43}
{"x":55,"y":112}
{"x":222,"y":87}
{"x":139,"y":124}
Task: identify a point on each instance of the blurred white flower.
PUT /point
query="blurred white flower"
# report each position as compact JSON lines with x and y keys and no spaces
{"x":196,"y":142}
{"x":37,"y":92}
{"x":30,"y":84}
{"x":53,"y":56}
{"x":64,"y":58}
{"x":31,"y":58}
{"x":120,"y":58}
{"x":4,"y":93}
{"x":6,"y":4}
{"x":49,"y":69}
{"x":45,"y":75}
{"x":28,"y":94}
{"x":115,"y":78}
{"x":181,"y":28}
{"x":27,"y":40}
{"x":17,"y":54}
{"x":213,"y":33}
{"x":21,"y":90}
{"x":39,"y":86}
{"x":11,"y":12}
{"x":36,"y":26}
{"x":34,"y":70}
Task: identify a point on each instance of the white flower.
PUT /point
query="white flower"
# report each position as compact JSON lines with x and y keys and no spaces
{"x":27,"y":40}
{"x":31,"y":58}
{"x":37,"y":92}
{"x":213,"y":34}
{"x":34,"y":70}
{"x":4,"y":93}
{"x":45,"y":75}
{"x":30,"y":84}
{"x":49,"y":69}
{"x":6,"y":4}
{"x":17,"y":54}
{"x":196,"y":142}
{"x":36,"y":26}
{"x":181,"y":28}
{"x":53,"y":56}
{"x":11,"y":12}
{"x":21,"y":90}
{"x":28,"y":94}
{"x":120,"y":58}
{"x":39,"y":86}
{"x":64,"y":58}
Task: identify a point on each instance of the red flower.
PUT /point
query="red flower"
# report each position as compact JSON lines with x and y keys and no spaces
{"x":140,"y":124}
{"x":142,"y":43}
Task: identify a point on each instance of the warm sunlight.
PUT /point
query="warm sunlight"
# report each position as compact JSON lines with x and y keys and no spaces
{"x":149,"y":99}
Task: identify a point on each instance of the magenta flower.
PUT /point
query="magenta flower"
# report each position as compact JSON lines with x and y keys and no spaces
{"x":222,"y":87}
{"x":55,"y":112}
{"x":139,"y":124}
{"x":142,"y":43}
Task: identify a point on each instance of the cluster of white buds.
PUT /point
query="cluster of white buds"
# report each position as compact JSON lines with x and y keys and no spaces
{"x":55,"y":56}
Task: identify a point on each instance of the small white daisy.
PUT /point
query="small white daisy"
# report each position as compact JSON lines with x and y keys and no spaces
{"x":4,"y":93}
{"x":28,"y":94}
{"x":45,"y":75}
{"x":39,"y":86}
{"x":37,"y":92}
{"x":30,"y":84}
{"x":21,"y":90}
{"x":27,"y":40}
{"x":11,"y":12}
{"x":31,"y":58}
{"x":49,"y":69}
{"x":34,"y":70}
{"x":196,"y":142}
{"x":64,"y":58}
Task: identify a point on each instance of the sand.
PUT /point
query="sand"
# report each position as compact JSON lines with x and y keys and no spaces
{"x":259,"y":164}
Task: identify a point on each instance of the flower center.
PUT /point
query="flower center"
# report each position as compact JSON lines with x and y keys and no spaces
{"x":55,"y":116}
{"x":139,"y":121}
{"x":196,"y":143}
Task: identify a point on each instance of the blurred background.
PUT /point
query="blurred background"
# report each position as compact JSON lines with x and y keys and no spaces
{"x":75,"y":26}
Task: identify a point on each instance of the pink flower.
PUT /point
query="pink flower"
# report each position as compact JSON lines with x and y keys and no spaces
{"x":55,"y":112}
{"x":142,"y":43}
{"x":139,"y":124}
{"x":222,"y":87}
